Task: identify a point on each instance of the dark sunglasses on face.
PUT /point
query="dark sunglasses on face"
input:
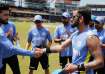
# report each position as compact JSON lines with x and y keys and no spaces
{"x":76,"y":17}
{"x":37,"y":21}
{"x":96,"y":22}
{"x":64,"y":17}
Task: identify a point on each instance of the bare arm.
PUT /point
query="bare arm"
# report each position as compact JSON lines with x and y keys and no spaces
{"x":61,"y":47}
{"x":95,"y":48}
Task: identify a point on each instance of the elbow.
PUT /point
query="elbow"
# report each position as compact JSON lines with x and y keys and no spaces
{"x":101,"y":63}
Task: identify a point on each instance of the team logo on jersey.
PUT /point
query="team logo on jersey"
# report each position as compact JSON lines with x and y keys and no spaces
{"x":79,"y":43}
{"x":76,"y":52}
{"x":43,"y":33}
{"x":34,"y":34}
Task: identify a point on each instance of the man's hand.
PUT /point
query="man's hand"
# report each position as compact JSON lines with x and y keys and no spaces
{"x":38,"y":52}
{"x":69,"y":68}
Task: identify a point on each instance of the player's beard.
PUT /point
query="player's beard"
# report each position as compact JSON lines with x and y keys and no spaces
{"x":98,"y":28}
{"x":75,"y":24}
{"x":65,"y":22}
{"x":3,"y":21}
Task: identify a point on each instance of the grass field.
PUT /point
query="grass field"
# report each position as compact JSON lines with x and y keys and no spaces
{"x":22,"y":29}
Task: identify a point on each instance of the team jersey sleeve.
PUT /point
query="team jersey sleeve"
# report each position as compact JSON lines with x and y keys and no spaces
{"x":9,"y":49}
{"x":21,"y":51}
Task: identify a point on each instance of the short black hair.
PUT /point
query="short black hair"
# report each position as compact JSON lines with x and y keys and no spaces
{"x":3,"y":7}
{"x":86,"y":13}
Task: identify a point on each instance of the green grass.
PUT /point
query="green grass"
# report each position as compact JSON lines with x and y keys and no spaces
{"x":22,"y":29}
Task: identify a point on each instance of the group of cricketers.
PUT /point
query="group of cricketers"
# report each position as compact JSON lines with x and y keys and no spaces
{"x":80,"y":38}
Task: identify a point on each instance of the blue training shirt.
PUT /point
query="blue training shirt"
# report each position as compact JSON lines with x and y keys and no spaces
{"x":64,"y":32}
{"x":9,"y":26}
{"x":7,"y":49}
{"x":39,"y":37}
{"x":80,"y":49}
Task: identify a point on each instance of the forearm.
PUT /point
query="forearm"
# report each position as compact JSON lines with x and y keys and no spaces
{"x":95,"y":49}
{"x":94,"y":65}
{"x":98,"y":59}
{"x":58,"y":48}
{"x":53,"y":49}
{"x":20,"y":51}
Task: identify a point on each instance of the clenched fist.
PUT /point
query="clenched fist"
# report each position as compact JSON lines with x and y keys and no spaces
{"x":70,"y":68}
{"x":38,"y":52}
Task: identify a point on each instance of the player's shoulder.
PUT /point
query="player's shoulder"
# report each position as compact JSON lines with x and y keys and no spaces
{"x":92,"y":37}
{"x":30,"y":30}
{"x":11,"y":23}
{"x":93,"y":40}
{"x":45,"y":29}
{"x":73,"y":34}
{"x":91,"y":33}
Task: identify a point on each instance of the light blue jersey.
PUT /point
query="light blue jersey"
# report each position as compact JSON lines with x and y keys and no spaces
{"x":80,"y":50}
{"x":101,"y":35}
{"x":9,"y":26}
{"x":39,"y":37}
{"x":64,"y":32}
{"x":7,"y":49}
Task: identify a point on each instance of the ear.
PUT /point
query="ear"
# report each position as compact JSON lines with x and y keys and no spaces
{"x":81,"y":19}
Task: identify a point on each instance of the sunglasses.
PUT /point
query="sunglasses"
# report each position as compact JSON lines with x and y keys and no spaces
{"x":64,"y":18}
{"x":76,"y":17}
{"x":37,"y":21}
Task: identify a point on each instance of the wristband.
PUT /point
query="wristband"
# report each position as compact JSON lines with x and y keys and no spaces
{"x":81,"y":67}
{"x":47,"y":50}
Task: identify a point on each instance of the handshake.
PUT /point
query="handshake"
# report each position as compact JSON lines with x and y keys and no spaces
{"x":38,"y":51}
